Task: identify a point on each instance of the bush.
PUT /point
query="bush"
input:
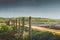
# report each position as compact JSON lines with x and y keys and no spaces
{"x":5,"y":28}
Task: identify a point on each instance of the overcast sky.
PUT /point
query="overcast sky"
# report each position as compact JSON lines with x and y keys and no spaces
{"x":34,"y":8}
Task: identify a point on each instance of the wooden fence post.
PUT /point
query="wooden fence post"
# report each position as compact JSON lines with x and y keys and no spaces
{"x":19,"y":26}
{"x":30,"y":31}
{"x":23,"y":29}
{"x":8,"y":22}
{"x":16,"y":24}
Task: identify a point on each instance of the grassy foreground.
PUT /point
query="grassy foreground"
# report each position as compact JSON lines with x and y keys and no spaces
{"x":42,"y":34}
{"x":37,"y":34}
{"x":54,"y":31}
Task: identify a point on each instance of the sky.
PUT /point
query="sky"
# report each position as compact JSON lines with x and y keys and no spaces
{"x":34,"y":8}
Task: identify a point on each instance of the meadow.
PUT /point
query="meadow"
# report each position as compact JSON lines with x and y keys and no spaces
{"x":8,"y":33}
{"x":38,"y":33}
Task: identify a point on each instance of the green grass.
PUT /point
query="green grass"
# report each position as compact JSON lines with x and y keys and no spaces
{"x":40,"y":35}
{"x":36,"y":35}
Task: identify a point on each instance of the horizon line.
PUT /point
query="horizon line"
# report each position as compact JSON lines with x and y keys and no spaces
{"x":29,"y":16}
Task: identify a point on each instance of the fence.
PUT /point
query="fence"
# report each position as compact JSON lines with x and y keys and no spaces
{"x":17,"y":26}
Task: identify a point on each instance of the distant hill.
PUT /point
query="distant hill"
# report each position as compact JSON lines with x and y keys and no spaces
{"x":34,"y":19}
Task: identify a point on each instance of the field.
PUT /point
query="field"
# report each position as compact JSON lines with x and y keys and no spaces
{"x":54,"y":31}
{"x":16,"y":32}
{"x":38,"y":33}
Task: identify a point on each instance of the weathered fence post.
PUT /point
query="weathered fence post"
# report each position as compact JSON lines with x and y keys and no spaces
{"x":19,"y":26}
{"x":16,"y":24}
{"x":8,"y":22}
{"x":23,"y":29}
{"x":30,"y":31}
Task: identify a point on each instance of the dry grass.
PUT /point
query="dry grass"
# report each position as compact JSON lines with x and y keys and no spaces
{"x":54,"y":31}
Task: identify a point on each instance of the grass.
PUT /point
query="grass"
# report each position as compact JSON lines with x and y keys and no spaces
{"x":38,"y":33}
{"x":41,"y":34}
{"x":54,"y":31}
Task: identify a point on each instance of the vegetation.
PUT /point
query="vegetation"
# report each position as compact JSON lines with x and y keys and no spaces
{"x":36,"y":35}
{"x":5,"y":28}
{"x":33,"y":19}
{"x":10,"y":32}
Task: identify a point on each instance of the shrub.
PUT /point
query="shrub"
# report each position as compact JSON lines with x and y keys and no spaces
{"x":5,"y":28}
